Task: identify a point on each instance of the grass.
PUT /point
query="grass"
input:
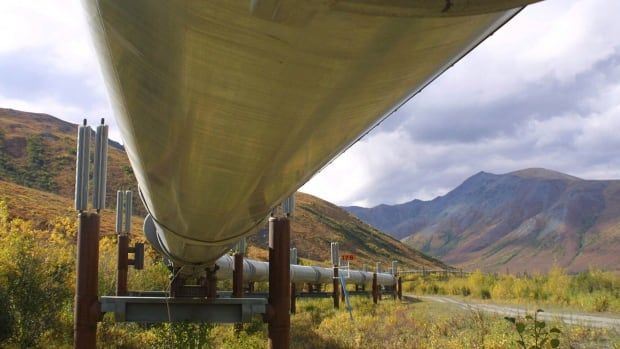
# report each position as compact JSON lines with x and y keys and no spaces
{"x":36,"y":295}
{"x":390,"y":324}
{"x":591,"y":291}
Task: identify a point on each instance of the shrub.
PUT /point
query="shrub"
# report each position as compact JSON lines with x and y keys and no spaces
{"x":533,"y":333}
{"x":34,"y":273}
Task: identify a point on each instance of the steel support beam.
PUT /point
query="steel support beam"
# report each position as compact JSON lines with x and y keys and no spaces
{"x":87,"y":309}
{"x":336,"y":288}
{"x":375,"y":289}
{"x":278,"y":318}
{"x":293,"y":298}
{"x":237,"y":282}
{"x":122,"y":264}
{"x":212,"y":282}
{"x":183,"y":309}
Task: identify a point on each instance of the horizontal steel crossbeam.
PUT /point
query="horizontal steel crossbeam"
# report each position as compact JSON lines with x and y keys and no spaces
{"x":163,"y":309}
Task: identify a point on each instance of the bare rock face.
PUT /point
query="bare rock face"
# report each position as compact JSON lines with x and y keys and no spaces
{"x":522,"y":221}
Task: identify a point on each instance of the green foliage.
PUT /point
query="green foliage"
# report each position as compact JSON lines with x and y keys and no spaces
{"x":36,"y":173}
{"x":33,"y":286}
{"x":7,"y":168}
{"x":533,"y":333}
{"x":127,"y":170}
{"x":183,"y":335}
{"x":590,"y":291}
{"x":6,"y":317}
{"x":36,"y":294}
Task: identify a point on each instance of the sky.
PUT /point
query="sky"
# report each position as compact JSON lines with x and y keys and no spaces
{"x":543,"y":91}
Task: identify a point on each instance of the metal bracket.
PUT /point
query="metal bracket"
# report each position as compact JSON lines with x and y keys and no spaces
{"x":164,"y":309}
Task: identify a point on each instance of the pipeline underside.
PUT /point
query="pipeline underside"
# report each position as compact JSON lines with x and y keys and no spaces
{"x":227,"y":107}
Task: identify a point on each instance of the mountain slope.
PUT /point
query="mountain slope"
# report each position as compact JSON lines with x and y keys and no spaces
{"x":38,"y":151}
{"x":523,"y":221}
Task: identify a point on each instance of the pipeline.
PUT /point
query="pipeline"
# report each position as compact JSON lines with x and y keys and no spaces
{"x":256,"y":271}
{"x":226,"y":109}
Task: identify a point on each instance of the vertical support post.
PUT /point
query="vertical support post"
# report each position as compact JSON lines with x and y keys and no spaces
{"x":81,"y":167}
{"x":293,"y":298}
{"x":377,"y":287}
{"x":238,"y":275}
{"x":400,"y":288}
{"x":122,"y":264}
{"x":212,"y":282}
{"x":87,"y":307}
{"x":123,"y":228}
{"x":176,"y":283}
{"x":237,"y":283}
{"x":395,"y":274}
{"x":101,"y":166}
{"x":336,"y":288}
{"x":364,"y":269}
{"x":375,"y":290}
{"x":294,"y":261}
{"x":335,"y":256}
{"x":279,"y":321}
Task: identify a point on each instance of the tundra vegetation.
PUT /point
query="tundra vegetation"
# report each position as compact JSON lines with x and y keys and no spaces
{"x":590,"y":291}
{"x":37,"y":275}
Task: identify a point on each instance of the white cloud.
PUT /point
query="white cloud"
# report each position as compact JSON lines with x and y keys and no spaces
{"x":57,"y":30}
{"x":53,"y":35}
{"x":553,"y":46}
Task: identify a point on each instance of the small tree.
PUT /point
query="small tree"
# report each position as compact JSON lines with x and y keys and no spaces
{"x":533,"y":333}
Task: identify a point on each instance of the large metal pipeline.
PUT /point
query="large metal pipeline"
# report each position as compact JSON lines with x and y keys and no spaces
{"x":259,"y":271}
{"x":227,"y":107}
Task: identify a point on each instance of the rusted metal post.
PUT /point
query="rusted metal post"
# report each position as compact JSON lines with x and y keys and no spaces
{"x":238,"y":276}
{"x":400,"y":288}
{"x":122,"y":264}
{"x":176,"y":283}
{"x":251,"y":287}
{"x":211,"y":282}
{"x":375,"y":289}
{"x":293,"y":298}
{"x":238,"y":282}
{"x":279,"y":321}
{"x":87,"y":308}
{"x":336,"y":289}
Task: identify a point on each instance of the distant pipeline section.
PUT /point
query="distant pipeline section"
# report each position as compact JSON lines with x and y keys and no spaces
{"x":258,"y":271}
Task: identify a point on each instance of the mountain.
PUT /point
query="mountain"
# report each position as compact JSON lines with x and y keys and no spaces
{"x":38,"y":151}
{"x":37,"y":173}
{"x":526,"y":220}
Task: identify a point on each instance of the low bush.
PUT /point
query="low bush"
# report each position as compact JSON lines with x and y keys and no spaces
{"x":593,"y":290}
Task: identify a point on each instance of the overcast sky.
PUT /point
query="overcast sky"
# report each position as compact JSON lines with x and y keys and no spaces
{"x":544,"y":91}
